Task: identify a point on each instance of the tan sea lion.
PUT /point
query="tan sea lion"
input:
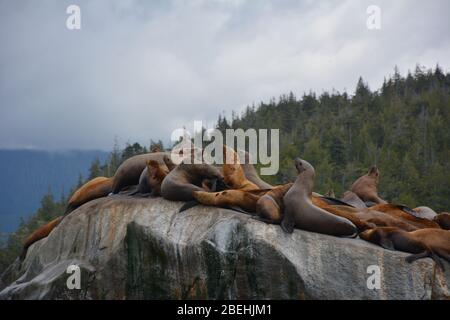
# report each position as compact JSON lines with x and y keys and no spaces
{"x":233,"y":173}
{"x":39,"y":234}
{"x":232,"y":199}
{"x":368,"y":219}
{"x":130,"y":170}
{"x":250,"y":171}
{"x":421,"y":243}
{"x":300,"y":212}
{"x":93,"y":189}
{"x":405,"y":214}
{"x":366,"y":187}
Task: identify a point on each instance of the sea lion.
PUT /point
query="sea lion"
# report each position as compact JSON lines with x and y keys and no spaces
{"x":152,"y":176}
{"x":366,"y":187}
{"x":93,"y":189}
{"x":232,"y":199}
{"x":351,"y":198}
{"x":330,"y":194}
{"x":405,"y":214}
{"x":300,"y":212}
{"x":424,"y":212}
{"x":250,"y":171}
{"x":368,"y":219}
{"x":421,"y":243}
{"x":179,"y":184}
{"x":233,"y":173}
{"x":39,"y":234}
{"x":443,"y":219}
{"x":130,"y":170}
{"x":270,"y":206}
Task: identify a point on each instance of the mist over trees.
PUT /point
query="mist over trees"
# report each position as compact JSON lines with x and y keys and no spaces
{"x":403,"y":128}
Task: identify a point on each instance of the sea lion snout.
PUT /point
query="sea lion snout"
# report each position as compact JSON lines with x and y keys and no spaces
{"x":299,"y":165}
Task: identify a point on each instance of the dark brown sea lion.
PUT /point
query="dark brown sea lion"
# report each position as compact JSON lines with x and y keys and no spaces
{"x":179,"y":184}
{"x":366,"y":187}
{"x":250,"y":171}
{"x":39,"y":234}
{"x":443,"y":219}
{"x":93,"y":189}
{"x":270,"y":206}
{"x":300,"y":212}
{"x":421,"y":243}
{"x":152,"y":176}
{"x":130,"y":170}
{"x":353,"y":199}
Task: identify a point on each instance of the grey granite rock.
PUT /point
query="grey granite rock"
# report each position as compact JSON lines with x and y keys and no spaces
{"x":136,"y":248}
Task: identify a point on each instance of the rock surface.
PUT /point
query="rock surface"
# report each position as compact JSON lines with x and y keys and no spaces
{"x":136,"y":248}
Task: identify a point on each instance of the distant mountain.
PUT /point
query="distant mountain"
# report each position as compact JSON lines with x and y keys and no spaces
{"x":27,"y":175}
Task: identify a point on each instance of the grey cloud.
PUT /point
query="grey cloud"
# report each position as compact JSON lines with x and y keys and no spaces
{"x":139,"y":69}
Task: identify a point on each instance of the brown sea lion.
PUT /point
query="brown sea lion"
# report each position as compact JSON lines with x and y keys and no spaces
{"x":250,"y":171}
{"x":443,"y":219}
{"x":421,"y":243}
{"x":232,"y":199}
{"x":352,"y":199}
{"x":39,"y":234}
{"x":130,"y":170}
{"x":270,"y":206}
{"x":405,"y":214}
{"x":179,"y":184}
{"x":233,"y":173}
{"x":152,"y":176}
{"x":300,"y":212}
{"x":366,"y":187}
{"x":367,"y":219}
{"x":93,"y":189}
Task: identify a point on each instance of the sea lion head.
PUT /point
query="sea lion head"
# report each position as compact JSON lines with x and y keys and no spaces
{"x":443,"y":220}
{"x":156,"y":174}
{"x":168,"y":161}
{"x":303,"y":166}
{"x":374,"y":173}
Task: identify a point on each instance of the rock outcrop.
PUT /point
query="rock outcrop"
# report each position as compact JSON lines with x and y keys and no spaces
{"x":136,"y":248}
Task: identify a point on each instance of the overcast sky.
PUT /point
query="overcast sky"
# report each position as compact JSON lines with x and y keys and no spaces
{"x":140,"y":69}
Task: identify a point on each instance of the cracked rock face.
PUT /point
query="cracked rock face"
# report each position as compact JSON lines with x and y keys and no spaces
{"x":136,"y":248}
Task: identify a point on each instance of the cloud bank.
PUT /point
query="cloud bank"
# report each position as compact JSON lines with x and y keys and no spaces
{"x":139,"y":69}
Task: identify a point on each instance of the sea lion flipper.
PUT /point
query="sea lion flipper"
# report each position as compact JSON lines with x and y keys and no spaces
{"x":188,"y":205}
{"x":413,"y":257}
{"x":387,"y":243}
{"x":288,"y":223}
{"x":238,"y":209}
